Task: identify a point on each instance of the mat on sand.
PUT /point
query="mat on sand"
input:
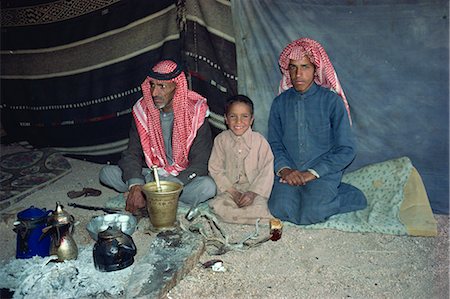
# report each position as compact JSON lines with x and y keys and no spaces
{"x":25,"y":171}
{"x":397,"y":202}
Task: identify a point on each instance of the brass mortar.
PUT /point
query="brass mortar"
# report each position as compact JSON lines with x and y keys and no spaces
{"x":162,"y":205}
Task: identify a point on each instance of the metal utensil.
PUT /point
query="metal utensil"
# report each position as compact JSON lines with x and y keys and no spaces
{"x":155,"y":173}
{"x":94,"y":208}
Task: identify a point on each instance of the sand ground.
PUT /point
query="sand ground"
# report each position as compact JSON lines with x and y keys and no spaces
{"x":302,"y":264}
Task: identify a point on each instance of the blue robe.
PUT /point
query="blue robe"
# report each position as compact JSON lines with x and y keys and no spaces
{"x":311,"y":130}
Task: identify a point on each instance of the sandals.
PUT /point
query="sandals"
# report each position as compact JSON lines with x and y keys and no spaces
{"x":85,"y":192}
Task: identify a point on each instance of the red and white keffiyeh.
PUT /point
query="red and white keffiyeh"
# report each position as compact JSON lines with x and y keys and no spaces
{"x":324,"y":74}
{"x":189,"y":109}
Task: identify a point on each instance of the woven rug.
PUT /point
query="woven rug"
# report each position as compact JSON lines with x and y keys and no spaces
{"x":22,"y":173}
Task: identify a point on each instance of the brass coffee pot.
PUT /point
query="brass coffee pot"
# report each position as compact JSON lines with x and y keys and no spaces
{"x":61,"y":227}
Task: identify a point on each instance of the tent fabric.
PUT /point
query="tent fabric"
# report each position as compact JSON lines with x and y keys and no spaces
{"x":210,"y":53}
{"x":391,"y":58}
{"x":71,"y":70}
{"x":71,"y":74}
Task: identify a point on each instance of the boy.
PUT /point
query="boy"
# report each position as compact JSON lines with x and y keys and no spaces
{"x":241,"y":164}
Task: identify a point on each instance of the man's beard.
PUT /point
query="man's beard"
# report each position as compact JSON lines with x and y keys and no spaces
{"x":162,"y":105}
{"x":159,"y":106}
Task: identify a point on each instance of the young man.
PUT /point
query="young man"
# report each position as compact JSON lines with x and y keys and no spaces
{"x":311,"y":139}
{"x":241,"y":164}
{"x":170,"y":130}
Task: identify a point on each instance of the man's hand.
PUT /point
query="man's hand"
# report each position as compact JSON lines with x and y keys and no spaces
{"x":246,"y":199}
{"x":295,"y":177}
{"x":135,"y":199}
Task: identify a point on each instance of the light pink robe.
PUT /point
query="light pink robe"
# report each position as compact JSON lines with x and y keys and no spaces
{"x":245,"y":163}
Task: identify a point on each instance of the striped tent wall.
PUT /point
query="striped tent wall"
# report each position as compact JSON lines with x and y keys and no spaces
{"x":71,"y":70}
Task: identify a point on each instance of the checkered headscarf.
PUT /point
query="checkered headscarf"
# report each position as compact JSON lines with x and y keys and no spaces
{"x":189,"y":110}
{"x":324,"y":74}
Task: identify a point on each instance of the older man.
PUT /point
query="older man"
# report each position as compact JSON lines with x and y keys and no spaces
{"x":170,"y":130}
{"x":311,"y":139}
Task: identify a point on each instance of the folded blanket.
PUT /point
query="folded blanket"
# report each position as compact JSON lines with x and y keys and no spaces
{"x":415,"y":212}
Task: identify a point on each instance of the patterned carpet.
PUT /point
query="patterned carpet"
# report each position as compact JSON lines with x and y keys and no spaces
{"x":25,"y":171}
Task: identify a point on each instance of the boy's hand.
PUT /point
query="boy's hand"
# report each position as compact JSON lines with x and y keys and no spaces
{"x":246,"y":199}
{"x":235,"y":195}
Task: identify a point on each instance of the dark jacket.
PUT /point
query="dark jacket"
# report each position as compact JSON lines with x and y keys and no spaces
{"x":132,"y":160}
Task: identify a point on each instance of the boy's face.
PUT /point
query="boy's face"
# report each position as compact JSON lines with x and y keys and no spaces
{"x":239,"y":118}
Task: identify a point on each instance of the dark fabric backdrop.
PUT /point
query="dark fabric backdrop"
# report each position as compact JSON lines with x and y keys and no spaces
{"x":391,"y":58}
{"x":71,"y":70}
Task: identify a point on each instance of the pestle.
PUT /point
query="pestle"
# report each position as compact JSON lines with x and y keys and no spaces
{"x":155,"y":173}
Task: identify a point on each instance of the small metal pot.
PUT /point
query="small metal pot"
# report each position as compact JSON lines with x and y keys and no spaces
{"x":30,"y":239}
{"x":114,"y":250}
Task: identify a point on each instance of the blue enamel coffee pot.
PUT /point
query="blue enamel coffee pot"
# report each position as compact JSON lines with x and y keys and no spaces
{"x":30,"y":239}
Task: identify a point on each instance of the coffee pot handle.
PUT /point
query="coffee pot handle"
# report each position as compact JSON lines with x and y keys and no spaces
{"x":132,"y":246}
